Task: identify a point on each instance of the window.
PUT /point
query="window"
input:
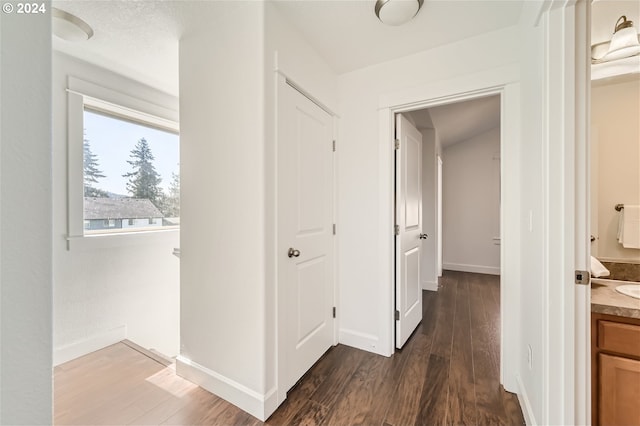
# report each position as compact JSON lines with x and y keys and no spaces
{"x":124,"y":165}
{"x":131,"y":170}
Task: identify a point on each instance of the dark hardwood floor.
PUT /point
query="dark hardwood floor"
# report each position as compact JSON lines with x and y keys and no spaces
{"x":447,"y":373}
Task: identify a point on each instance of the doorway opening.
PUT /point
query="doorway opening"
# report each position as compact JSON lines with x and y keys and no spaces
{"x":456,"y":197}
{"x":455,"y":200}
{"x":506,"y":234}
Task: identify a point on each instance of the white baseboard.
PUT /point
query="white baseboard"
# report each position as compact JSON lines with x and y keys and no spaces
{"x":258,"y":405}
{"x":75,"y":350}
{"x":525,"y":404}
{"x":356,"y":339}
{"x":478,"y":269}
{"x":430,"y":285}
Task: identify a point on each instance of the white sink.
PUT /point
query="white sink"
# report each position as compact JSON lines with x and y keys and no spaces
{"x":632,"y":290}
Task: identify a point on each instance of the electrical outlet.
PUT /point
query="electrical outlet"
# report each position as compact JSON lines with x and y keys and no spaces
{"x":529,"y":357}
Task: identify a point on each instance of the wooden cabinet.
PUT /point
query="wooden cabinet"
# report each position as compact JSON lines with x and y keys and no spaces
{"x":619,"y":400}
{"x":615,"y":370}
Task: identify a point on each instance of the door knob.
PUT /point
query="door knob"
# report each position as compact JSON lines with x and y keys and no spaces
{"x":293,"y":252}
{"x":423,"y":236}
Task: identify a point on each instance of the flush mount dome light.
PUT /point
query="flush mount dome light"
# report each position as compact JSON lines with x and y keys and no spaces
{"x":69,"y":27}
{"x":624,"y":43}
{"x":397,"y":12}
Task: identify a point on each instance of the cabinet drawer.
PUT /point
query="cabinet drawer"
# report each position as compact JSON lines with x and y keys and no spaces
{"x":620,"y":338}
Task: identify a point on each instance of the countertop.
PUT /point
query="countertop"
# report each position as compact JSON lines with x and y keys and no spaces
{"x":606,"y":300}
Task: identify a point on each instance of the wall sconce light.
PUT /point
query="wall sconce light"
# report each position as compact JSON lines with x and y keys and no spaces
{"x":624,"y":43}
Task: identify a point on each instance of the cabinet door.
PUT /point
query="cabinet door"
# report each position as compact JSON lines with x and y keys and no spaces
{"x":619,"y":391}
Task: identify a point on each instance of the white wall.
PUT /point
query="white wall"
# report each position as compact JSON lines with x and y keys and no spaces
{"x":532,"y":306}
{"x":110,"y":287}
{"x":222,"y":205}
{"x":428,"y":257}
{"x":228,"y":141}
{"x":615,"y":121}
{"x":536,"y":213}
{"x":471,"y":204}
{"x":363,"y":282}
{"x":25,"y":221}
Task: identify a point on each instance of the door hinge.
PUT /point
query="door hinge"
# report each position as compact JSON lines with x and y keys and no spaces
{"x":396,"y":230}
{"x":583,"y":277}
{"x":334,"y":311}
{"x":334,"y":146}
{"x":334,"y":229}
{"x":397,"y":144}
{"x":397,"y":315}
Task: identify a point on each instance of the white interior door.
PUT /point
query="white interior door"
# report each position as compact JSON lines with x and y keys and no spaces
{"x":305,"y":230}
{"x":408,"y":229}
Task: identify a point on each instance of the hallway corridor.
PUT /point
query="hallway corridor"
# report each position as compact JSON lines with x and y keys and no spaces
{"x":447,"y":373}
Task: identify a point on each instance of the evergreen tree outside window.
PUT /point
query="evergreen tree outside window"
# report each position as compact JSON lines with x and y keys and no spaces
{"x":144,"y":180}
{"x":92,"y":173}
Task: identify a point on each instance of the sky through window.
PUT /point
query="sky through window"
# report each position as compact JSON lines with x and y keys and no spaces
{"x":111,"y":141}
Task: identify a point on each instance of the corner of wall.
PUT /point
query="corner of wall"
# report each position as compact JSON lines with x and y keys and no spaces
{"x":98,"y":341}
{"x":260,"y":406}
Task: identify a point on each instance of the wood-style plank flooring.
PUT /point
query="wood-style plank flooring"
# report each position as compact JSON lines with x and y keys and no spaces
{"x":447,"y":373}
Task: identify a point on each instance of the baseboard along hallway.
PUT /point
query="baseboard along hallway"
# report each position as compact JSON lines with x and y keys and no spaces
{"x":447,"y":373}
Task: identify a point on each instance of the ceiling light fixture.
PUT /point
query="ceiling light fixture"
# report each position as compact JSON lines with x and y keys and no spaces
{"x":624,"y":43}
{"x":397,"y":12}
{"x":69,"y":27}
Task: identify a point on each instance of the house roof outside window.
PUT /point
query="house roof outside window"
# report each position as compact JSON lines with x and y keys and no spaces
{"x":119,"y":208}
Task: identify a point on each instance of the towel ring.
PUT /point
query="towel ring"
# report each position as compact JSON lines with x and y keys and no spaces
{"x":619,"y":207}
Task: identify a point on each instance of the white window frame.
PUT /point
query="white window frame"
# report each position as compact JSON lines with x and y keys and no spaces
{"x":82,"y":94}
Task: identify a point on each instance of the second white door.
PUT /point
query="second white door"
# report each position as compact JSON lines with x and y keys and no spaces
{"x":408,"y":229}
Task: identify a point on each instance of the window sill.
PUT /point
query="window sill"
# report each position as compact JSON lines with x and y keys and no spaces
{"x":121,"y":239}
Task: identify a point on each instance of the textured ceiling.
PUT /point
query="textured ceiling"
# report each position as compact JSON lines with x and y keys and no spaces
{"x":140,"y":38}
